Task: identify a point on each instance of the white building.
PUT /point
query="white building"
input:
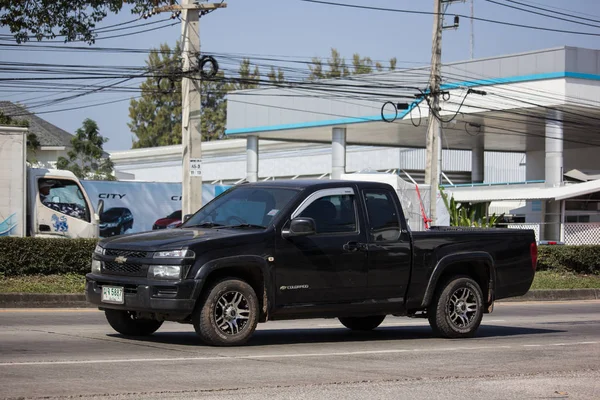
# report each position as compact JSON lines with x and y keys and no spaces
{"x":534,"y":118}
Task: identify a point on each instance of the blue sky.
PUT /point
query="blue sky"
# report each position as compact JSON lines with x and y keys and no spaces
{"x":298,"y":29}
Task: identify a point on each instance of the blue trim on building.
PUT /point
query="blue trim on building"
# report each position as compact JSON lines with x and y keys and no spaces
{"x":356,"y":120}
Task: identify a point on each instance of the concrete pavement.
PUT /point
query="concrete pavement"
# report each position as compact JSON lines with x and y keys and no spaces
{"x":523,"y":350}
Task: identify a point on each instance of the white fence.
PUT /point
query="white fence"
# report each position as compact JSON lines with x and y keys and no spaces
{"x":572,"y":233}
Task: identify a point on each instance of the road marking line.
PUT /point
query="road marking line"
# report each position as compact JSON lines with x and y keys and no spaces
{"x":47,"y":310}
{"x":409,"y":323}
{"x":271,"y":356}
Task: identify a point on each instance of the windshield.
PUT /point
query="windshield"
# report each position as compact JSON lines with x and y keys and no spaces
{"x":243,"y":205}
{"x":112,"y":212}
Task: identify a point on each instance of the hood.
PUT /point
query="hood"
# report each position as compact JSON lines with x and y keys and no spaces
{"x":171,"y":239}
{"x":165,"y":221}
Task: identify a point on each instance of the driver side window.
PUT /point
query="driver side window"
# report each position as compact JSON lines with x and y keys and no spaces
{"x":64,"y":196}
{"x":332,"y":214}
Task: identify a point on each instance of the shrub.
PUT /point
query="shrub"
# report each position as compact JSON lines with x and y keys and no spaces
{"x":579,"y":259}
{"x":36,"y":256}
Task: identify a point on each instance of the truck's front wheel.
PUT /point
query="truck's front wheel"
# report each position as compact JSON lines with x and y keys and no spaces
{"x":457,"y":308}
{"x":362,"y":323}
{"x":228,"y":313}
{"x":126,"y":323}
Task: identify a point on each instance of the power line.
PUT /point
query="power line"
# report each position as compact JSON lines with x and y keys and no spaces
{"x":505,"y":23}
{"x":542,"y":14}
{"x":552,"y":9}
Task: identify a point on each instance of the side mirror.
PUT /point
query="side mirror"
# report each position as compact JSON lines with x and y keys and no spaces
{"x":100,"y":207}
{"x":186,"y":217}
{"x":300,"y":227}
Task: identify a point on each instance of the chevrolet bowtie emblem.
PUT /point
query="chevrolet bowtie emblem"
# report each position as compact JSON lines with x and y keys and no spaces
{"x":121,"y":260}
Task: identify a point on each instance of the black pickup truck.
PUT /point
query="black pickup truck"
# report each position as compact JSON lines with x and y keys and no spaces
{"x":306,"y":249}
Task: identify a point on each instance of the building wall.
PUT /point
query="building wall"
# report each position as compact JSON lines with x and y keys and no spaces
{"x":45,"y":158}
{"x":315,"y":160}
{"x":585,"y":159}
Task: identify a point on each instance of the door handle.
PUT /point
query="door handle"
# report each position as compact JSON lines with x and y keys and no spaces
{"x":354,"y":246}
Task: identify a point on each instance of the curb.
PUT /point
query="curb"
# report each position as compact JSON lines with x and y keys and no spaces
{"x":35,"y":300}
{"x":39,"y":300}
{"x":557,"y":295}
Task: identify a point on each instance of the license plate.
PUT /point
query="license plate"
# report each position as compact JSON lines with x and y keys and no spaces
{"x":112,"y":294}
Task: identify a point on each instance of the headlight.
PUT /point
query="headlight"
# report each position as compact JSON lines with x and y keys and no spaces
{"x":96,"y":267}
{"x":112,"y":224}
{"x":164,"y":271}
{"x":175,"y":254}
{"x":99,"y":250}
{"x":173,"y":225}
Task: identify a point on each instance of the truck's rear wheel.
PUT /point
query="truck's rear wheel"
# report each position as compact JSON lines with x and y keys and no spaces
{"x":457,"y":308}
{"x":362,"y":323}
{"x":227,"y":314}
{"x":126,"y":323}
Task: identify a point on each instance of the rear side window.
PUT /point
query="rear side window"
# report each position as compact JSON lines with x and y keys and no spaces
{"x":383,"y":216}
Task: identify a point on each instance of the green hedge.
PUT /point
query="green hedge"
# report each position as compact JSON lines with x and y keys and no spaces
{"x":29,"y":256}
{"x":579,"y":259}
{"x":34,"y":256}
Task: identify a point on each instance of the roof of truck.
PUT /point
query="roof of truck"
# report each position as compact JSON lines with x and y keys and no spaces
{"x":316,"y":183}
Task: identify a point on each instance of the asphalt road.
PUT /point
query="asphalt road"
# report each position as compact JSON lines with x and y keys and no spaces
{"x":523,"y":350}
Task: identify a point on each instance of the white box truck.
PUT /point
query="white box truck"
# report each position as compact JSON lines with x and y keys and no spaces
{"x":40,"y":202}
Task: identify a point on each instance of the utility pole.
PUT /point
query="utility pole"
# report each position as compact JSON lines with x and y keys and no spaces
{"x":191,"y":183}
{"x":433,"y":168}
{"x":472,"y":29}
{"x":432,"y":175}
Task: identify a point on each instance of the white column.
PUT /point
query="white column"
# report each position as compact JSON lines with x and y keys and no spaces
{"x":252,"y":158}
{"x":477,"y":162}
{"x":338,"y":152}
{"x":553,"y":172}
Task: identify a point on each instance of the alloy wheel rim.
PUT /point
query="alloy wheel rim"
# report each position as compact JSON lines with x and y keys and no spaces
{"x":462,"y":307}
{"x":232,"y":313}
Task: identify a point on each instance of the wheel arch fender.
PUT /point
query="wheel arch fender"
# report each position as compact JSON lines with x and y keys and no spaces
{"x":253,"y":268}
{"x":450,"y":261}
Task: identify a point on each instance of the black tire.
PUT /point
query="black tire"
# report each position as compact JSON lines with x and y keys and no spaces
{"x":127,"y":324}
{"x":362,"y":323}
{"x":457,"y":308}
{"x":227,"y":314}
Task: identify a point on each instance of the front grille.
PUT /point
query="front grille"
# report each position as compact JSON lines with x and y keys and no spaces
{"x":114,"y":268}
{"x":126,"y":253}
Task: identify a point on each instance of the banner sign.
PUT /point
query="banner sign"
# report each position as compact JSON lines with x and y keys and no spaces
{"x":131,"y":207}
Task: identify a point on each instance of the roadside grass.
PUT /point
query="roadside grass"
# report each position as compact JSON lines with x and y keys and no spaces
{"x":68,"y":283}
{"x":564,"y":280}
{"x":74,"y":283}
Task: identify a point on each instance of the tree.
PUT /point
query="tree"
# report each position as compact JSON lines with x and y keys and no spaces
{"x":33,"y":143}
{"x":247,"y":79}
{"x":393,"y":62}
{"x":362,"y":65}
{"x":86,"y":159}
{"x":156,"y":116}
{"x":70,"y":19}
{"x":276,"y":76}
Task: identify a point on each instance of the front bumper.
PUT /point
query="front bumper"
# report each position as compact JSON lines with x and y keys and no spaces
{"x":169,"y":300}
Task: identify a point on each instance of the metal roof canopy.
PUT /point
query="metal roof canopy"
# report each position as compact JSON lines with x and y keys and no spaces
{"x":520,"y":90}
{"x":533,"y":191}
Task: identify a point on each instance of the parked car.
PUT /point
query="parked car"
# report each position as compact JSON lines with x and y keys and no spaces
{"x":306,"y":249}
{"x":115,"y":221}
{"x":172,"y":220}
